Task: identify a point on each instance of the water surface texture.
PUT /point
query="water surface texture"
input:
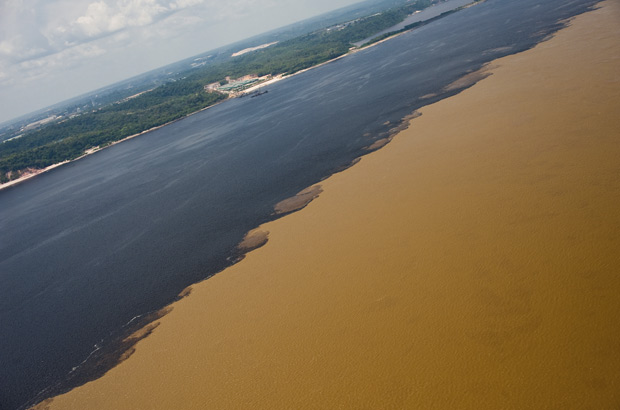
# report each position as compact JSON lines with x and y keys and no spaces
{"x":89,"y":246}
{"x":426,"y":14}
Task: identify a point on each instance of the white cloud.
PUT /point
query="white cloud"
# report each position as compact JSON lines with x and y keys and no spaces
{"x":103,"y":18}
{"x":18,"y":49}
{"x":181,"y":4}
{"x":40,"y":34}
{"x":34,"y":69}
{"x":55,"y":49}
{"x":5,"y":80}
{"x":36,"y":28}
{"x":7,"y":47}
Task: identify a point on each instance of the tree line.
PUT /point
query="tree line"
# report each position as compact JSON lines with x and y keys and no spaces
{"x":70,"y":138}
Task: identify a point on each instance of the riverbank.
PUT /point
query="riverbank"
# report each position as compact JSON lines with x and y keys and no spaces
{"x":429,"y":14}
{"x":32,"y":172}
{"x":470,"y":263}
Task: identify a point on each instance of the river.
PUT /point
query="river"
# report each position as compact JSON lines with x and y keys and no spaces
{"x":91,"y":245}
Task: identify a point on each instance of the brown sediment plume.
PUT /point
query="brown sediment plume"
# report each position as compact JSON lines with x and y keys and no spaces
{"x":404,"y":124}
{"x":470,"y":79}
{"x":380,"y":143}
{"x":185,"y":292}
{"x":138,"y":335}
{"x":253,"y":240}
{"x":467,"y":80}
{"x":299,"y":201}
{"x":44,"y":405}
{"x":121,"y":351}
{"x":498,"y":50}
{"x":406,"y":121}
{"x":472,"y":263}
{"x":110,"y":354}
{"x":428,"y":96}
{"x":345,"y":167}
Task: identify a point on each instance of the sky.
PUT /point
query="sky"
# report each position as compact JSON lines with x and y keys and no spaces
{"x":52,"y":50}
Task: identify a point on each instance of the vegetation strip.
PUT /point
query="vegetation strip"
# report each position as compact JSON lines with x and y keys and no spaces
{"x":71,"y":138}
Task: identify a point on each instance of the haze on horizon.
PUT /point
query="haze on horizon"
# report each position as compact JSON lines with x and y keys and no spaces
{"x":53,"y":50}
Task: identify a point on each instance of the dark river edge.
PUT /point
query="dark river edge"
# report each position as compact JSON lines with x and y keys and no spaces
{"x":97,"y":249}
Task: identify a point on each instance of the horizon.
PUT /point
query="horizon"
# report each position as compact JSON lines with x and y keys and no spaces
{"x":48,"y":56}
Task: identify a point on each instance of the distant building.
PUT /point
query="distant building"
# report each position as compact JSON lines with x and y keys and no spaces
{"x":237,"y":85}
{"x":247,"y":77}
{"x":212,"y":87}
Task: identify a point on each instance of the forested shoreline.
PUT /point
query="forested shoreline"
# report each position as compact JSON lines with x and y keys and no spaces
{"x":71,"y":138}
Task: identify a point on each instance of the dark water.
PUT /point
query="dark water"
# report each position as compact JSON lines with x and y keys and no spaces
{"x":426,"y":14}
{"x":91,"y":245}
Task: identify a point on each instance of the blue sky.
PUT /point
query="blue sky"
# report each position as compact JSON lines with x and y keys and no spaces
{"x":51,"y":50}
